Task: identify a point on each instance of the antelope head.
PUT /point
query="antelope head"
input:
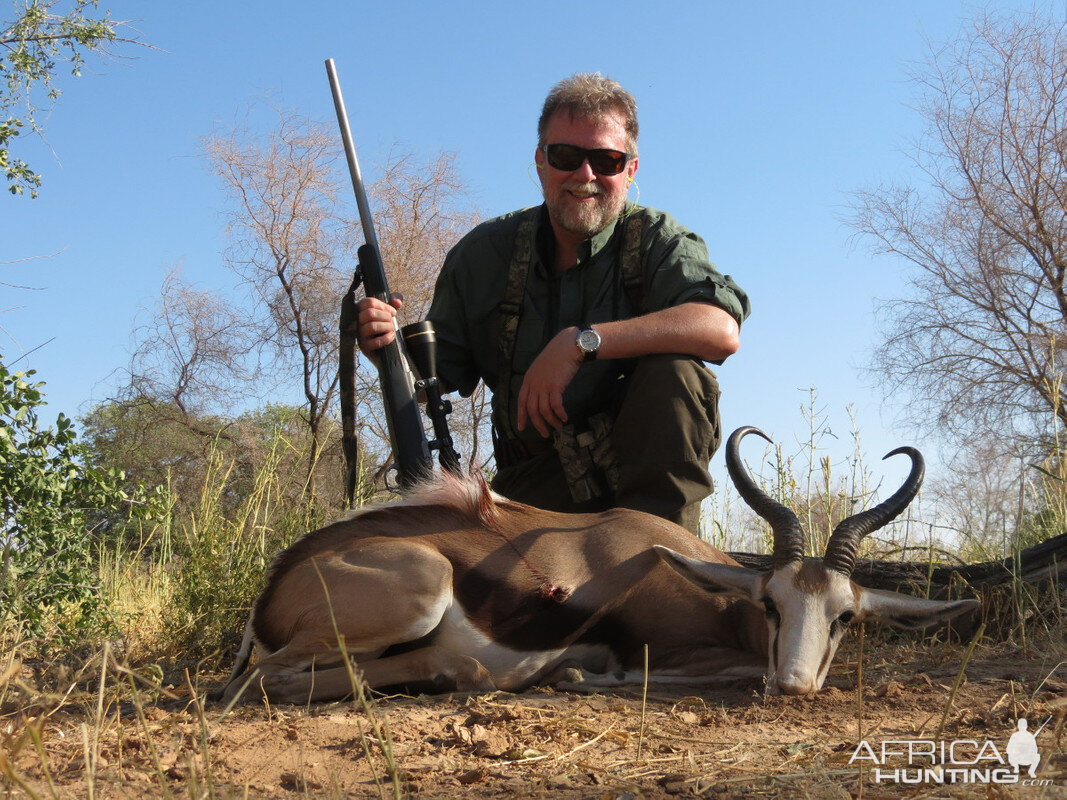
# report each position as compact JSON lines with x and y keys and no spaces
{"x":809,"y":603}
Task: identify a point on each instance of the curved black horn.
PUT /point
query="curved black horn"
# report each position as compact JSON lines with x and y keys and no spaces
{"x":844,"y":544}
{"x":788,"y":536}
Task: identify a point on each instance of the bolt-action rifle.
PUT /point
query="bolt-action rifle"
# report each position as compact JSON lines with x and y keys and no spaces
{"x":400,"y":388}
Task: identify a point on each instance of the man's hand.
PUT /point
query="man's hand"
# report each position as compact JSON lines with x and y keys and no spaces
{"x":541,"y":396}
{"x":376,"y":323}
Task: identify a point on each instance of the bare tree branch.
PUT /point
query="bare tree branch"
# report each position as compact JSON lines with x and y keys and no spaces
{"x":292,"y":250}
{"x":191,"y":354}
{"x":979,"y":338}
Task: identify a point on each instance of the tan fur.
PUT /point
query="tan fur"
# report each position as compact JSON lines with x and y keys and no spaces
{"x":454,"y":551}
{"x":811,"y":577}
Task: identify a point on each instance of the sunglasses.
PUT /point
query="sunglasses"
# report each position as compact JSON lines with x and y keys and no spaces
{"x":569,"y":157}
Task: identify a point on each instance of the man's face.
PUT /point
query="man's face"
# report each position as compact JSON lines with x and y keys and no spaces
{"x":582,"y":203}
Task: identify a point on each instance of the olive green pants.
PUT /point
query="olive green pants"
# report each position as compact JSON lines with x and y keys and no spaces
{"x":666,"y":430}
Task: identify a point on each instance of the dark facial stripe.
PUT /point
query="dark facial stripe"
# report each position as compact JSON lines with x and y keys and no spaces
{"x":774,"y":645}
{"x":825,"y":658}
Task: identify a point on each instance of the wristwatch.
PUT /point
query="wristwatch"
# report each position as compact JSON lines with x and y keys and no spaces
{"x":588,"y":343}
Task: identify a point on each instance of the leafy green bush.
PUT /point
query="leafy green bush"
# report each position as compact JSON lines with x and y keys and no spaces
{"x":47,"y":573}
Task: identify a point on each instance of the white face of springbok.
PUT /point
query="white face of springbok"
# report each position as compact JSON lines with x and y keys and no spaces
{"x":809,"y":603}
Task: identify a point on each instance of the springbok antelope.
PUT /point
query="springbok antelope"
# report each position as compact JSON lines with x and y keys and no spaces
{"x":457,"y":588}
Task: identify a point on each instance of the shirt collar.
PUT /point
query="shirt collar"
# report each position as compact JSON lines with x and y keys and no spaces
{"x":587,"y":249}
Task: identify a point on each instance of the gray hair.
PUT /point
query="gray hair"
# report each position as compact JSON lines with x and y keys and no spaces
{"x":590,"y":95}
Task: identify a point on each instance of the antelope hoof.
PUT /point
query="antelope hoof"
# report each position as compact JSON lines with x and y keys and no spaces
{"x":567,"y":672}
{"x":474,"y":678}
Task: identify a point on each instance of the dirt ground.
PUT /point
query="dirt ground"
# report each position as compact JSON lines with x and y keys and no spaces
{"x":724,"y":742}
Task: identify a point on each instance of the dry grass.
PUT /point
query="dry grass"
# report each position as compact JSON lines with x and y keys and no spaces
{"x":126,"y":717}
{"x":107,"y":731}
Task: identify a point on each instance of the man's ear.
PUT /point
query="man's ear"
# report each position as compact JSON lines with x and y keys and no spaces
{"x":725,"y":579}
{"x":905,"y":611}
{"x":631,"y":167}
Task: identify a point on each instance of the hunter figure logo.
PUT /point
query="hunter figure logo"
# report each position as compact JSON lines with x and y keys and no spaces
{"x":926,"y":761}
{"x":1022,"y":749}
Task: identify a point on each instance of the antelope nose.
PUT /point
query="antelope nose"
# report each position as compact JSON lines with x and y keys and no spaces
{"x":796,"y":685}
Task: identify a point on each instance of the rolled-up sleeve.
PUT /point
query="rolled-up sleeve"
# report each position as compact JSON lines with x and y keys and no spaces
{"x":678,"y":270}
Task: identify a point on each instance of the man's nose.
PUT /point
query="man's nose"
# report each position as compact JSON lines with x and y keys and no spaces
{"x":584,"y":172}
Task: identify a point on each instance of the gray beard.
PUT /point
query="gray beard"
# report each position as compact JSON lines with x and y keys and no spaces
{"x":587,"y":221}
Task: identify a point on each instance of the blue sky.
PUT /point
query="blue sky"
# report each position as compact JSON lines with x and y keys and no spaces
{"x":758,"y":119}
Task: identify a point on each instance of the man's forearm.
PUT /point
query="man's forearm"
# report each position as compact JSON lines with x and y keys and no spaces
{"x":697,"y":329}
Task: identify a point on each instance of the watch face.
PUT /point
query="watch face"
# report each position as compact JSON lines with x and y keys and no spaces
{"x":589,"y":341}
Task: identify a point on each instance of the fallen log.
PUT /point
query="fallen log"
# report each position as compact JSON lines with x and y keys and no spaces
{"x":1044,"y":561}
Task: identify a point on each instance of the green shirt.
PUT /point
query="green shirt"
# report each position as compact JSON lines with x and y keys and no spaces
{"x":472,"y":285}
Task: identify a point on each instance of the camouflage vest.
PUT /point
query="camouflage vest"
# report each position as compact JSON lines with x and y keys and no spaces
{"x":510,"y":313}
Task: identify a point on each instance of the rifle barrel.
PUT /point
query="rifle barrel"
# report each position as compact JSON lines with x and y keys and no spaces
{"x":362,"y":203}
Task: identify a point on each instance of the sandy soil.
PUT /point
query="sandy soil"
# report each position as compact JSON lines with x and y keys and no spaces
{"x":720,"y":743}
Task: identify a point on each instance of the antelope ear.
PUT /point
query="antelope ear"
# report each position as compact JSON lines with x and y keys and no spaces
{"x":725,"y":579}
{"x":905,"y":611}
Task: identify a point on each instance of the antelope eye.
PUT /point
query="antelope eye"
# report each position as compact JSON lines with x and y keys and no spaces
{"x":769,"y":607}
{"x":846,"y":617}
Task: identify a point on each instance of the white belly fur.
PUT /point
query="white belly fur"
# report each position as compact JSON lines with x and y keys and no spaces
{"x":511,"y":669}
